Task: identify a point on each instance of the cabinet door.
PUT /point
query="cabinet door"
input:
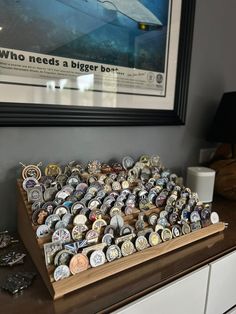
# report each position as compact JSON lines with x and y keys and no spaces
{"x":222,"y":285}
{"x":232,"y":311}
{"x":184,"y":296}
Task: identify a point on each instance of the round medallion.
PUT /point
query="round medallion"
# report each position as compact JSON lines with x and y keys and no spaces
{"x":77,"y":231}
{"x":62,"y":257}
{"x":92,"y":236}
{"x":113,"y":252}
{"x":62,"y":235}
{"x":126,"y":229}
{"x":166,"y":235}
{"x":117,"y":222}
{"x":127,"y":162}
{"x":29,"y":182}
{"x":98,"y":224}
{"x":60,"y":224}
{"x":108,"y":238}
{"x":152,"y":219}
{"x":154,"y":238}
{"x":141,"y":243}
{"x":61,"y":272}
{"x":52,"y":220}
{"x":39,"y":216}
{"x":61,"y":210}
{"x":176,"y":231}
{"x":52,"y":170}
{"x":214,"y":218}
{"x":97,"y":258}
{"x":127,"y":248}
{"x":42,"y":231}
{"x":78,"y":263}
{"x":185,"y":228}
{"x":194,"y":216}
{"x":31,"y":171}
{"x":80,"y":219}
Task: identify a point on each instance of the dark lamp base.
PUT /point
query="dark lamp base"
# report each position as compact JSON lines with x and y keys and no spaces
{"x":225,"y":179}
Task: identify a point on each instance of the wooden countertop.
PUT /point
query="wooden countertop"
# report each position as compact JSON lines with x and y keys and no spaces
{"x":118,"y":290}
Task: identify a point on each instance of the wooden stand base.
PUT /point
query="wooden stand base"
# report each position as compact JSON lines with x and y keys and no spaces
{"x":60,"y":288}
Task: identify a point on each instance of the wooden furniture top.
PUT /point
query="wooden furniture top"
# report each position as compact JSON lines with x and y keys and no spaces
{"x":129,"y":285}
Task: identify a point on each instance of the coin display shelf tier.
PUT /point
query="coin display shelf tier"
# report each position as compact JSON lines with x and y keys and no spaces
{"x":138,"y":222}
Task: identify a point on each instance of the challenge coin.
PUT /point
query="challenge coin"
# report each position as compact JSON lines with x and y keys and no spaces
{"x":107,"y":238}
{"x":62,"y":257}
{"x":61,"y":272}
{"x":166,"y":235}
{"x":29,"y":182}
{"x":62,"y":235}
{"x":214,"y":218}
{"x":176,"y":231}
{"x":31,"y":171}
{"x":52,"y":170}
{"x":42,"y":231}
{"x":127,"y":248}
{"x":185,"y":228}
{"x":154,"y":239}
{"x":113,"y":252}
{"x":97,"y":258}
{"x":141,"y":243}
{"x":78,"y":263}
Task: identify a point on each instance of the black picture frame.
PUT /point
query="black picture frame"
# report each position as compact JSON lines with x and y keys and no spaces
{"x":26,"y":114}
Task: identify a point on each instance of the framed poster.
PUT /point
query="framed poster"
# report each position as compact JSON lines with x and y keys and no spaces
{"x":94,"y":62}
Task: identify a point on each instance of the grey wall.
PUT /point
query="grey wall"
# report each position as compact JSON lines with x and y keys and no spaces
{"x":211,"y":74}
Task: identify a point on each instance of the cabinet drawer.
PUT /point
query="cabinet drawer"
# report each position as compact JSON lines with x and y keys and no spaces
{"x":222,"y":282}
{"x":183,"y":296}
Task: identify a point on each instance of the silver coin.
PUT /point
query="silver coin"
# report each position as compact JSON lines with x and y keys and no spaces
{"x":113,"y":252}
{"x":62,"y":235}
{"x":108,"y":239}
{"x":97,"y":258}
{"x":141,"y":243}
{"x":194,"y":216}
{"x":80,"y":219}
{"x":60,"y":210}
{"x":117,"y":222}
{"x":61,"y":272}
{"x":127,"y":162}
{"x":60,"y":224}
{"x":42,"y":231}
{"x":214,"y":218}
{"x":52,"y":220}
{"x":76,"y":207}
{"x":29,"y":182}
{"x":67,"y":219}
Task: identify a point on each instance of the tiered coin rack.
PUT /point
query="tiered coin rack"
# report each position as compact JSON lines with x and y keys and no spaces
{"x":67,"y":285}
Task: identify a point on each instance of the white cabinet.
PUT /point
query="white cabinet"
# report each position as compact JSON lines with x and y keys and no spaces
{"x":210,"y":290}
{"x":222,"y":285}
{"x":184,"y":296}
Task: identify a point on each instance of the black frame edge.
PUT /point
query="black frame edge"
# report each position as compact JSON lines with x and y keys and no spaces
{"x":20,"y":114}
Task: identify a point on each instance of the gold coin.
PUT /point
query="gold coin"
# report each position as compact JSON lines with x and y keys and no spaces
{"x":154,"y":239}
{"x":127,"y":248}
{"x":52,"y":170}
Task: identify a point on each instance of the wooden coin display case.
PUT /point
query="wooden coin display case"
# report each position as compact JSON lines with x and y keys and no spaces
{"x":58,"y":289}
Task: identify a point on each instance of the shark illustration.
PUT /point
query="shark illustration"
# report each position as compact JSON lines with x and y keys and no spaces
{"x":106,"y":11}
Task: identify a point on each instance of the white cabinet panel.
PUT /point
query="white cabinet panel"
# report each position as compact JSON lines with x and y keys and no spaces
{"x":222,"y":285}
{"x":184,"y":296}
{"x":233,"y":311}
